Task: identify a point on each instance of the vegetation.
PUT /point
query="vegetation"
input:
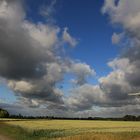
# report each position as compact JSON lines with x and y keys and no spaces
{"x":70,"y":130}
{"x":19,"y":133}
{"x":104,"y":136}
{"x":78,"y":125}
{"x":20,"y":127}
{"x":4,"y":113}
{"x":125,"y":118}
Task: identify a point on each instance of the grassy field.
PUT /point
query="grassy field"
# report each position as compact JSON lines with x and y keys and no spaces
{"x":70,"y":130}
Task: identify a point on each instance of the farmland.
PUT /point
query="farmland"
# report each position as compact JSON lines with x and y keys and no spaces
{"x":70,"y":130}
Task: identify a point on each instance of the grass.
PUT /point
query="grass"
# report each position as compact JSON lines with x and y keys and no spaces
{"x":104,"y":136}
{"x":104,"y":126}
{"x":70,"y":130}
{"x":19,"y":133}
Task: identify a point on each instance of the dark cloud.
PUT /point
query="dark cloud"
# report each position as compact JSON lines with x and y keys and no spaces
{"x":30,"y":61}
{"x":18,"y":57}
{"x":26,"y":50}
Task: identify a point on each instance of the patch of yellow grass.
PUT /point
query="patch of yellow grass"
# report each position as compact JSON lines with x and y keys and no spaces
{"x":78,"y":125}
{"x":102,"y":136}
{"x":76,"y":129}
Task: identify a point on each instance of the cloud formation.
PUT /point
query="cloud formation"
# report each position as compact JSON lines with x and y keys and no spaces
{"x":68,"y":38}
{"x":82,"y":71}
{"x":116,"y":38}
{"x":32,"y":65}
{"x":30,"y":58}
{"x":113,"y":89}
{"x":125,"y":76}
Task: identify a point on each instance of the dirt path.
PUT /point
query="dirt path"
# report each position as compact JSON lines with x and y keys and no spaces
{"x":4,"y":137}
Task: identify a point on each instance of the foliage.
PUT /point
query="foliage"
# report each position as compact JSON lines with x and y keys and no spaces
{"x":4,"y":113}
{"x":125,"y":118}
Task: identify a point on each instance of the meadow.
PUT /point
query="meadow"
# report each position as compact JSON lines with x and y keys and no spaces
{"x":70,"y":130}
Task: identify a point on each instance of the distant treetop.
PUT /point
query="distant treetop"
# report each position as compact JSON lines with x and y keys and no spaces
{"x":4,"y":113}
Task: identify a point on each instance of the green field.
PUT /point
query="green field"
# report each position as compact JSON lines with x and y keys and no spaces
{"x":70,"y":130}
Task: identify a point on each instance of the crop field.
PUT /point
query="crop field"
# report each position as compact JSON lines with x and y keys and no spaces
{"x":70,"y":130}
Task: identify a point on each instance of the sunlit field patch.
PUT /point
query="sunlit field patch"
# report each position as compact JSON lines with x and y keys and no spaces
{"x":70,"y":129}
{"x":104,"y":136}
{"x":97,"y":126}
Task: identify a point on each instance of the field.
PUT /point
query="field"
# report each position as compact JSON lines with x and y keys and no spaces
{"x":70,"y":130}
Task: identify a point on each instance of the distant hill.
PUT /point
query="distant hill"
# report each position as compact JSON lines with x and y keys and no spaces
{"x":4,"y":113}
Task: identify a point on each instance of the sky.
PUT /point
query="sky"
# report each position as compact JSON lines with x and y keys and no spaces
{"x":70,"y":58}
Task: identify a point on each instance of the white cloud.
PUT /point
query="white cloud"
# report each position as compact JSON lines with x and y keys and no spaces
{"x":20,"y":86}
{"x":82,"y":71}
{"x":126,"y":13}
{"x":46,"y":35}
{"x":121,"y":64}
{"x":85,"y":97}
{"x":67,"y":38}
{"x":116,"y":38}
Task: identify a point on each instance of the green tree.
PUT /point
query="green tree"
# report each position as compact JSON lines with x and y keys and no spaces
{"x":4,"y":113}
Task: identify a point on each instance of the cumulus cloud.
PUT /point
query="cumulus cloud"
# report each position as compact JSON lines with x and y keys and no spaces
{"x":31,"y":65}
{"x":82,"y":71}
{"x":26,"y":53}
{"x":125,"y":12}
{"x":30,"y":61}
{"x":85,"y":97}
{"x":114,"y":88}
{"x":29,"y":58}
{"x":125,"y":76}
{"x":46,"y":35}
{"x":18,"y":56}
{"x":20,"y":86}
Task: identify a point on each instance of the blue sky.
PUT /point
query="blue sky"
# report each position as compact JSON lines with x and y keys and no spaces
{"x":88,"y":25}
{"x":69,"y":55}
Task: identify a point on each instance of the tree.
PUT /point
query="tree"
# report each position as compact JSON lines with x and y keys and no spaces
{"x":129,"y":118}
{"x":4,"y":113}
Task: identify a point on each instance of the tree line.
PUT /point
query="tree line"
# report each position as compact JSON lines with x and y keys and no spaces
{"x":5,"y":114}
{"x":125,"y":118}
